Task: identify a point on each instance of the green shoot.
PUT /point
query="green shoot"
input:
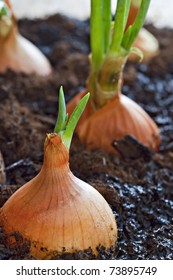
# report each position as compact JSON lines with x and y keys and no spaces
{"x":65,"y":127}
{"x":132,"y":32}
{"x":121,"y":16}
{"x":107,"y":22}
{"x":110,"y":50}
{"x":121,"y":42}
{"x":97,"y":39}
{"x":4,"y":11}
{"x":62,"y":115}
{"x":136,"y":3}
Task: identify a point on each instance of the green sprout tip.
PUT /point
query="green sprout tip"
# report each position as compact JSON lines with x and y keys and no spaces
{"x":4,"y":11}
{"x":64,"y":126}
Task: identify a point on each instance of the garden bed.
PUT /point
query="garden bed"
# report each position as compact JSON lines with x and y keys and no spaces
{"x":138,"y":185}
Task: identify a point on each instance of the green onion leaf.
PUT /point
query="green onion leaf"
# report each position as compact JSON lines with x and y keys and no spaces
{"x":68,"y":133}
{"x":121,"y":15}
{"x":62,"y":116}
{"x":136,"y":3}
{"x":65,"y":127}
{"x":132,"y":32}
{"x":97,"y":34}
{"x":4,"y":11}
{"x":107,"y":22}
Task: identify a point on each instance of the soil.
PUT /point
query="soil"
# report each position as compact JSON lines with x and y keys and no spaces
{"x":138,"y":186}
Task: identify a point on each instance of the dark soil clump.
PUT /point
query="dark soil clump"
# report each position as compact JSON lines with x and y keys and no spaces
{"x":137,"y":185}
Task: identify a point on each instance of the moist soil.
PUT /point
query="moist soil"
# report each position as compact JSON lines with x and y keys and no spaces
{"x":138,"y":185}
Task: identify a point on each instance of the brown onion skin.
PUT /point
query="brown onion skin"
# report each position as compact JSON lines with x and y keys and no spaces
{"x":118,"y":118}
{"x":57,"y":212}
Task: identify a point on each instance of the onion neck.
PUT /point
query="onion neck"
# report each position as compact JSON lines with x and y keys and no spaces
{"x":106,"y":83}
{"x":55,"y":153}
{"x":8,"y":27}
{"x":8,"y":35}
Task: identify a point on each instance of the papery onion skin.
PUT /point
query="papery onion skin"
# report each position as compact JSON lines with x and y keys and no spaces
{"x":58,"y":212}
{"x":119,"y":117}
{"x":148,"y":44}
{"x":19,"y":54}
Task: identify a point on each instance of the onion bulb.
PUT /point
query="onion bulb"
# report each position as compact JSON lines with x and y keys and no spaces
{"x":109,"y":115}
{"x":16,"y":52}
{"x":118,"y":118}
{"x":55,"y":211}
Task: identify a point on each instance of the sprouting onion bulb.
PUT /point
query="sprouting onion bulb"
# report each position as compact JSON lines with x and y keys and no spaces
{"x":109,"y":115}
{"x":145,"y":40}
{"x":16,"y":52}
{"x":55,"y":211}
